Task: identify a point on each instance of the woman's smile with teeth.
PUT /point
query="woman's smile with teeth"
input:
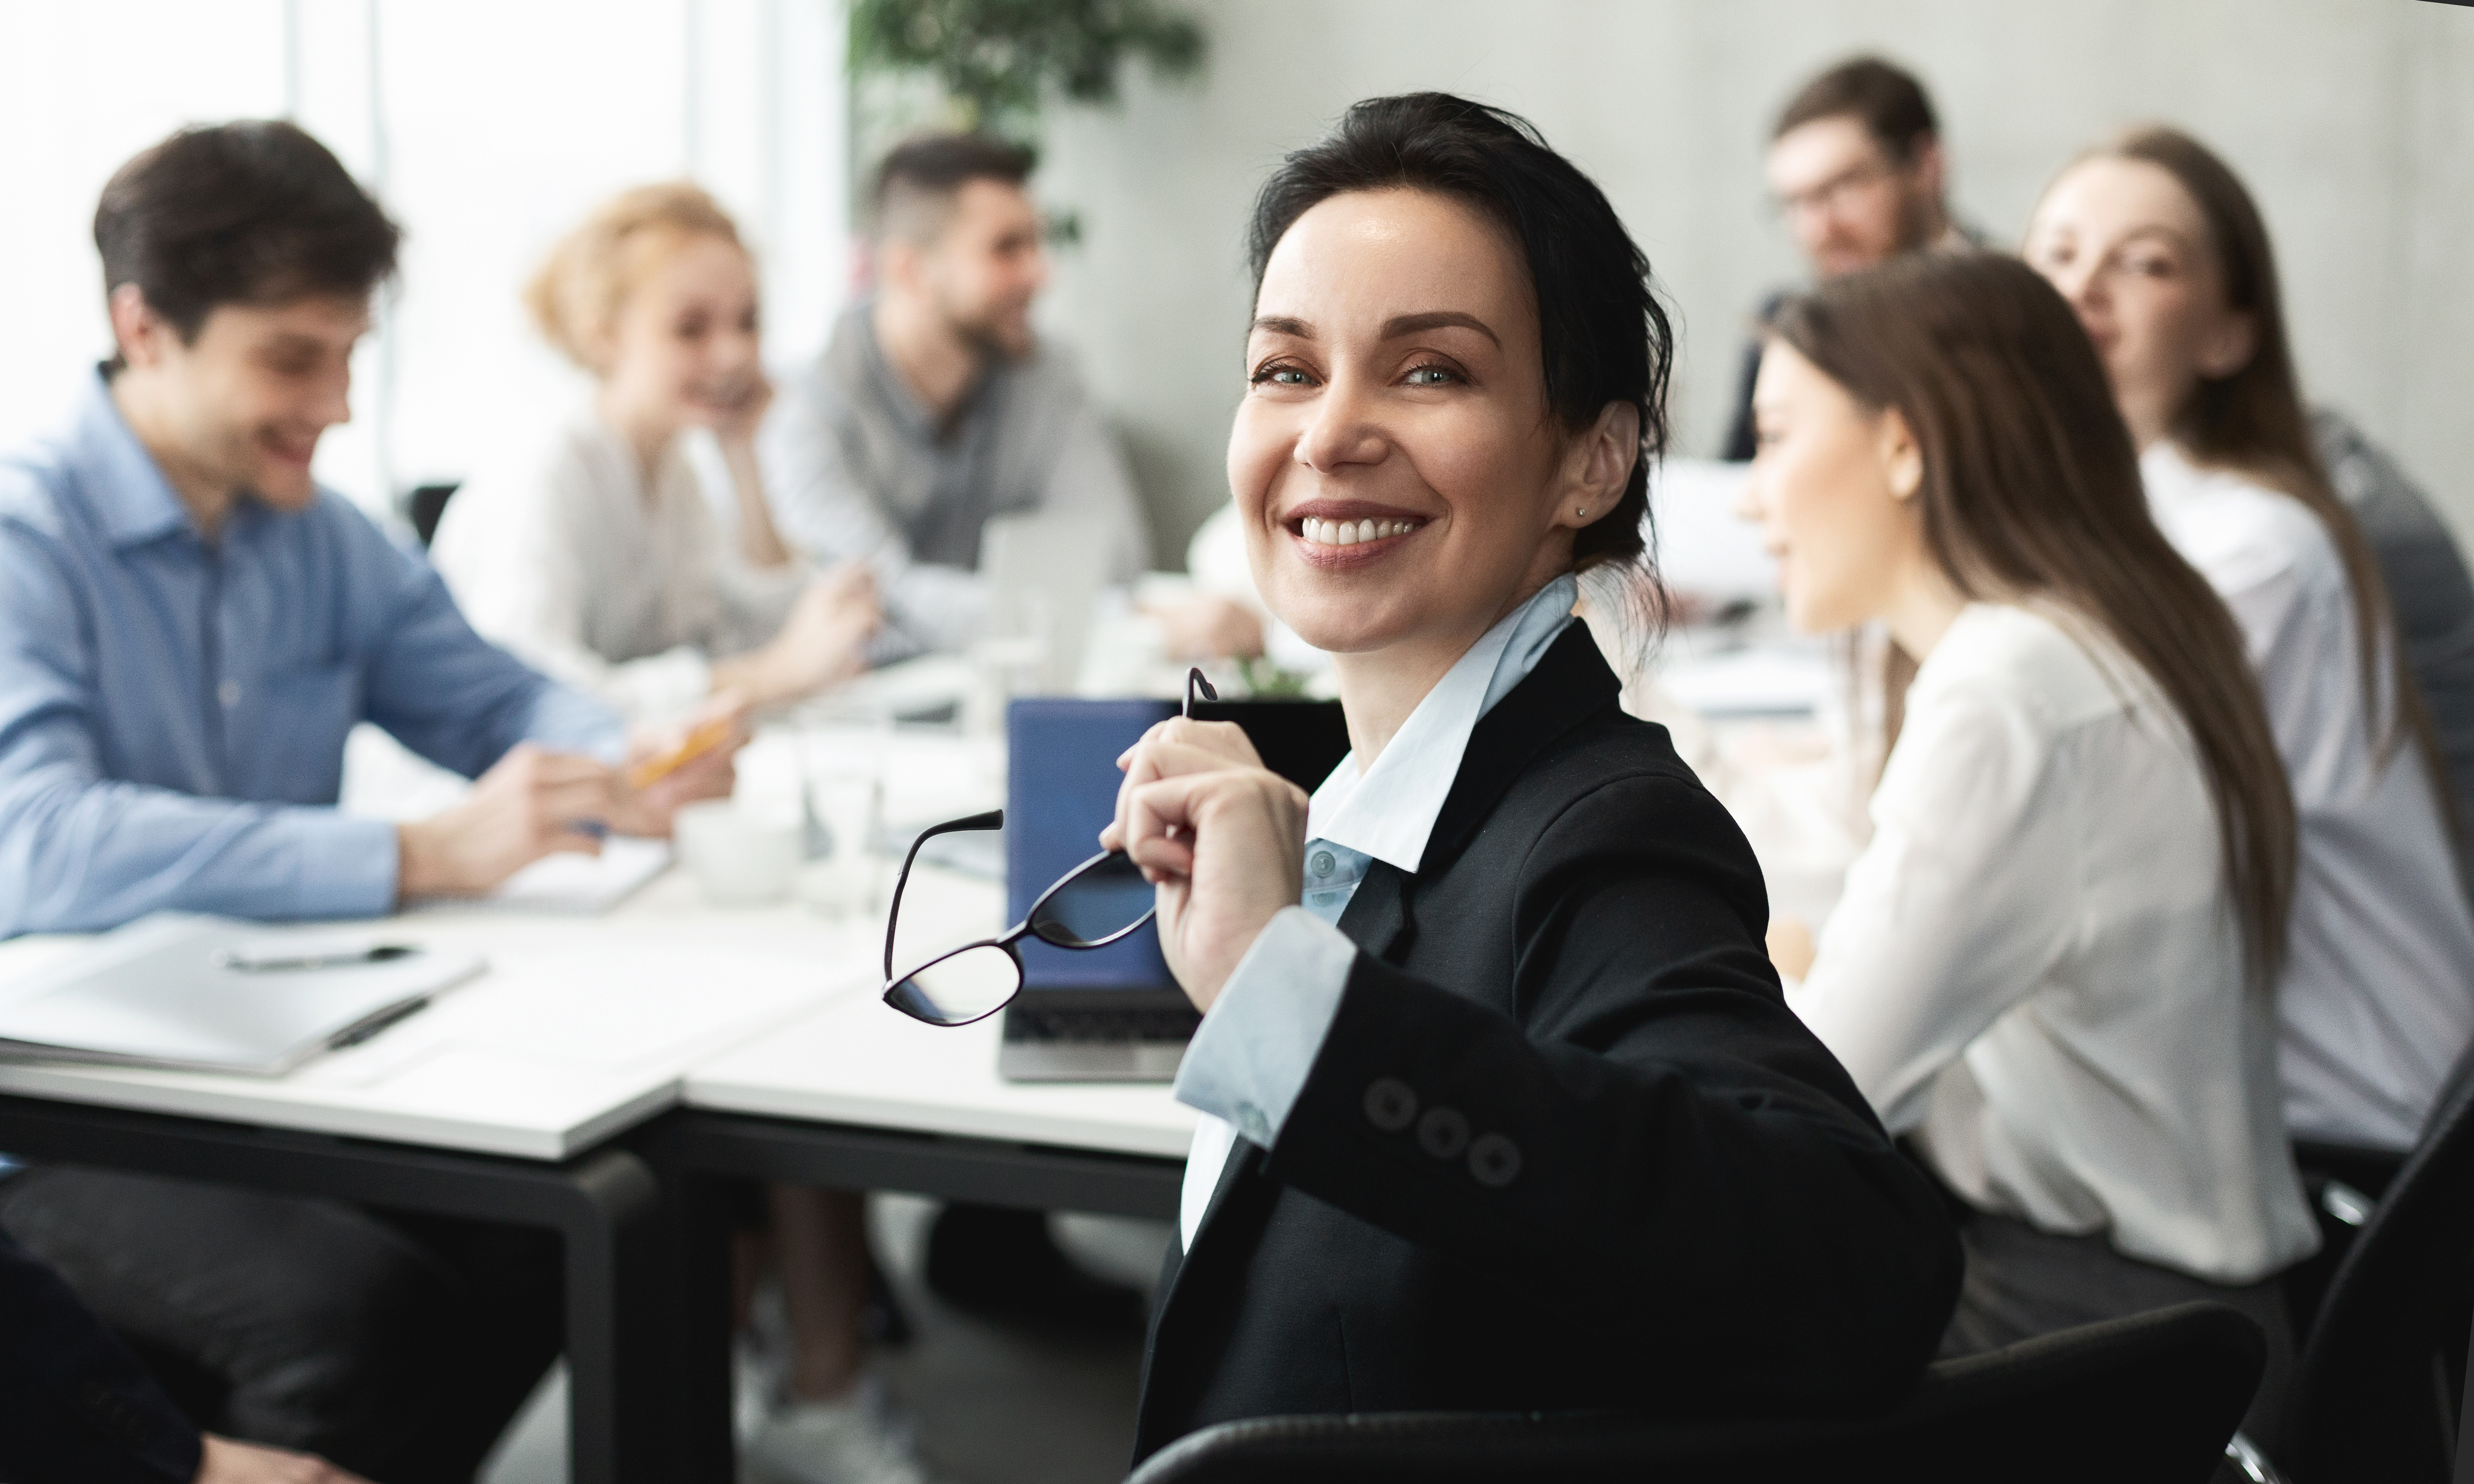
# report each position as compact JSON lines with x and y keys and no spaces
{"x":1350,"y":533}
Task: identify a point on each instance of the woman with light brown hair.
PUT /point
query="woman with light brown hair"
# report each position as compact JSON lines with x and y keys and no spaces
{"x":2052,"y":966}
{"x":596,"y":556}
{"x":599,"y":559}
{"x":2164,"y":256}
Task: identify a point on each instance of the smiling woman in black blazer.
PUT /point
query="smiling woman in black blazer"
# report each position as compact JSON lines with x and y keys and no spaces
{"x":1506,"y":1109}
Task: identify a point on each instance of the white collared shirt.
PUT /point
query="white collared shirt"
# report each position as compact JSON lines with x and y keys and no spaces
{"x":1247,"y":1064}
{"x":2036,"y":969}
{"x":2378,"y":995}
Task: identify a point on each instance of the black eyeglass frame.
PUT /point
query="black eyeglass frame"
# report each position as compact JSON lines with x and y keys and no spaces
{"x":994,"y":820}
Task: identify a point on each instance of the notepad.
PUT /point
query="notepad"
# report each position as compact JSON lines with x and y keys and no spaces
{"x":568,"y":884}
{"x":180,"y":989}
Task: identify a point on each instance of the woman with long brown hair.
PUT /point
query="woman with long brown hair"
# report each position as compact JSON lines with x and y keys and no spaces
{"x":2164,"y":257}
{"x":2052,"y":964}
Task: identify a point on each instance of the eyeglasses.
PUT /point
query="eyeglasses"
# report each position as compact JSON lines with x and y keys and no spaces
{"x":1102,"y":901}
{"x":1834,"y":195}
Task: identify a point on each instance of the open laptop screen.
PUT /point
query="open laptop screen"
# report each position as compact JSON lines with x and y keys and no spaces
{"x":1061,"y":791}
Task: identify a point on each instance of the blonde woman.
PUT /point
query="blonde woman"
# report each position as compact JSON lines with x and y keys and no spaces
{"x":600,"y":559}
{"x":598,"y":555}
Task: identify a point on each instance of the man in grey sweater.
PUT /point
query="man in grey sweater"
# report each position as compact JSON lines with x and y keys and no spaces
{"x":935,"y":407}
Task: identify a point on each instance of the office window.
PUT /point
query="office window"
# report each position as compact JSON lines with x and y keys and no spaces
{"x":487,"y":129}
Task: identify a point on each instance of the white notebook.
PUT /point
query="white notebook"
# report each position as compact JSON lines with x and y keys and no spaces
{"x":179,"y":989}
{"x":568,"y":884}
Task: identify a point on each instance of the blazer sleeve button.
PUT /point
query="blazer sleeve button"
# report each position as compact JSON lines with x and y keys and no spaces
{"x":1443,"y":1133}
{"x":1494,"y":1160}
{"x":1390,"y":1105}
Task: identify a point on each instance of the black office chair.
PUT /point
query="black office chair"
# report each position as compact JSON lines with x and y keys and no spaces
{"x":2147,"y":1399}
{"x":2341,"y":1182}
{"x":2380,"y":1385}
{"x":424,"y":505}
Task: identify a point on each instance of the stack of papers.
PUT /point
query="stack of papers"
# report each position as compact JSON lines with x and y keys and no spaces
{"x":178,"y":989}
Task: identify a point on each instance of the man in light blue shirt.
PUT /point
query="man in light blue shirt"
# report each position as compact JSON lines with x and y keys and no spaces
{"x":189,"y":626}
{"x":175,"y":690}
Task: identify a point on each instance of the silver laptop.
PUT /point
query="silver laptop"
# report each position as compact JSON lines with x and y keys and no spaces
{"x":179,"y":989}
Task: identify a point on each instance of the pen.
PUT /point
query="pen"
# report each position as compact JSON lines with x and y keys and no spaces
{"x":312,"y":957}
{"x":703,"y":740}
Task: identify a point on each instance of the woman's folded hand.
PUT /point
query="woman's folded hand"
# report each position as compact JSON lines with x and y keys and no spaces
{"x":1219,"y":835}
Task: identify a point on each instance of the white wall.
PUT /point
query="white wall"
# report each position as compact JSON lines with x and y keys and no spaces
{"x":489,"y":127}
{"x":486,"y":129}
{"x":2353,"y":120}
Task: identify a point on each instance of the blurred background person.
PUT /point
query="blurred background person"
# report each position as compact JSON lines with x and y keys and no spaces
{"x":1856,"y":168}
{"x":2054,"y":965}
{"x":936,"y":406}
{"x":2161,"y":251}
{"x":597,"y":557}
{"x":600,"y":560}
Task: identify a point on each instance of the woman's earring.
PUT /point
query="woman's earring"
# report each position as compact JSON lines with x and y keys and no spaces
{"x":1580,"y":510}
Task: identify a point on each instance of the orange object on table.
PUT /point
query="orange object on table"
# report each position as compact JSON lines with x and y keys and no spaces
{"x":703,"y":740}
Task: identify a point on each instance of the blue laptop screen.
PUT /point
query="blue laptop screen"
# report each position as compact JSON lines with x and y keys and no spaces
{"x":1061,"y":791}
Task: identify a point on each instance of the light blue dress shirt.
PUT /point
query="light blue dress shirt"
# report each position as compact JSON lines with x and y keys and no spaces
{"x":1248,"y":1060}
{"x":173,"y":711}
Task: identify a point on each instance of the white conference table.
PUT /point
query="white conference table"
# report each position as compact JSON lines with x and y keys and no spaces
{"x":607,"y":1075}
{"x":579,"y":1028}
{"x":543,"y":1093}
{"x":499,"y":1102}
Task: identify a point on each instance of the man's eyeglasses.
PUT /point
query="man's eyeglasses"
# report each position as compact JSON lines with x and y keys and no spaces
{"x":1835,"y":194}
{"x":1102,"y":901}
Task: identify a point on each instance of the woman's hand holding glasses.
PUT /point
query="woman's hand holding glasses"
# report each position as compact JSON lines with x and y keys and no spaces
{"x":1219,"y":835}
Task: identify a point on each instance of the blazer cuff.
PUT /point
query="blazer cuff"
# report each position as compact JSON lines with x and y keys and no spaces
{"x":1250,"y":1057}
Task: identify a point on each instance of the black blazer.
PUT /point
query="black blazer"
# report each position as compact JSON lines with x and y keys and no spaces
{"x":1564,"y":1145}
{"x":75,"y":1406}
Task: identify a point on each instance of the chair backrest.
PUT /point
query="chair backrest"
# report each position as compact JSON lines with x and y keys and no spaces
{"x":423,"y":507}
{"x":2377,"y":1390}
{"x":2147,"y":1399}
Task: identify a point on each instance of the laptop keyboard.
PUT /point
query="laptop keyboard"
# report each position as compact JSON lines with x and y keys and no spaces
{"x":1023,"y":1024}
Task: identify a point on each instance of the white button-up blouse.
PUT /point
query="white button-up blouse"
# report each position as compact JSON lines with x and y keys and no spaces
{"x":2378,"y":996}
{"x":2036,"y":967}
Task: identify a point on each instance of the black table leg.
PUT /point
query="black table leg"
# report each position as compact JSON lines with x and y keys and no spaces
{"x":699,"y":1153}
{"x":605,"y":1206}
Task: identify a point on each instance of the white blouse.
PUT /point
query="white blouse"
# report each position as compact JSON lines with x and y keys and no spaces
{"x":2036,"y":967}
{"x":2378,"y":995}
{"x":568,"y":559}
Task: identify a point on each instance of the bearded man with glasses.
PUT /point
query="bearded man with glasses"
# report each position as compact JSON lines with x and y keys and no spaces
{"x":1855,"y":171}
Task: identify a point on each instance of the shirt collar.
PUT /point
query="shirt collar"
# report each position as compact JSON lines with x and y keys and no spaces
{"x":2167,"y":471}
{"x":1388,"y":812}
{"x":118,"y":478}
{"x":915,"y":416}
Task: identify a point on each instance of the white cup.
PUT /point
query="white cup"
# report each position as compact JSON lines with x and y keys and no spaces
{"x":738,"y":859}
